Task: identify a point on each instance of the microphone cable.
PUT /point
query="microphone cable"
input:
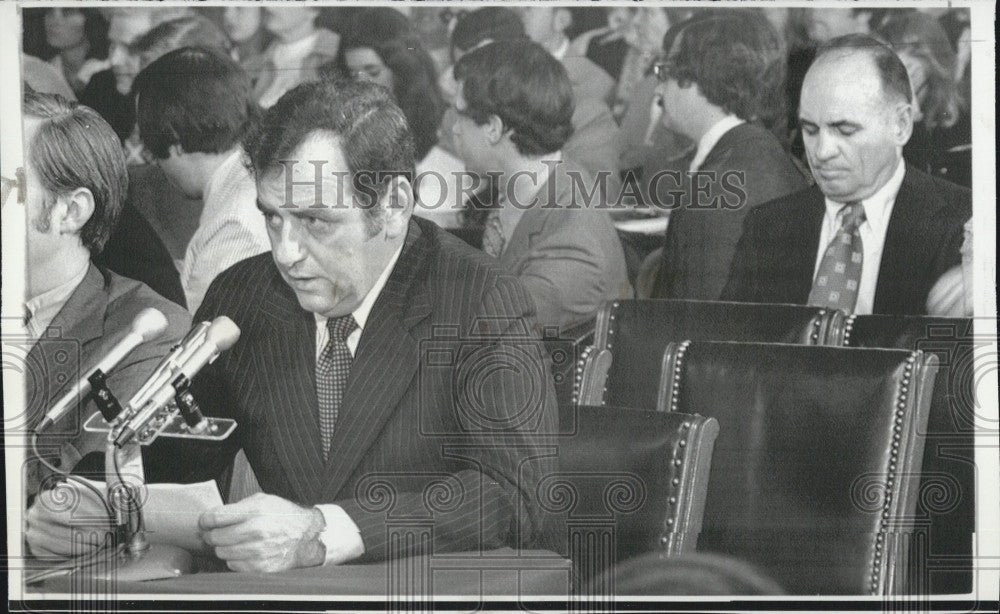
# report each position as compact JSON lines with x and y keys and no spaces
{"x":84,"y":560}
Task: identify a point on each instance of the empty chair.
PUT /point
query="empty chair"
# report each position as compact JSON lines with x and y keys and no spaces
{"x":629,"y":482}
{"x":946,"y":505}
{"x":812,"y":475}
{"x":631,"y":336}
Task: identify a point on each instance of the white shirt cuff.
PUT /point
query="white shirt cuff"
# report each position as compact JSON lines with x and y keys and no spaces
{"x":341,"y":537}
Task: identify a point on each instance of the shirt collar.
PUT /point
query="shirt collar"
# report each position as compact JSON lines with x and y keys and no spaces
{"x":48,"y":304}
{"x":288,"y":55}
{"x":878,"y":206}
{"x":511,"y":215}
{"x":365,"y":308}
{"x":563,"y":49}
{"x":711,"y":138}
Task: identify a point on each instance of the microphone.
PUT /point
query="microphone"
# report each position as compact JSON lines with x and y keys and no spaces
{"x":220,"y":335}
{"x":147,"y":325}
{"x":168,"y":366}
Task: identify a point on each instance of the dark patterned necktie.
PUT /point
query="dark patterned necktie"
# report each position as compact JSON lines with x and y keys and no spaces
{"x":332,"y":369}
{"x":493,"y":237}
{"x":839,"y":273}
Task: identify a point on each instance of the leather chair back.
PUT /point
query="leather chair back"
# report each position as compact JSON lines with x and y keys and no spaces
{"x":565,"y":349}
{"x":809,"y":476}
{"x":946,"y":505}
{"x":636,"y":332}
{"x":629,"y":482}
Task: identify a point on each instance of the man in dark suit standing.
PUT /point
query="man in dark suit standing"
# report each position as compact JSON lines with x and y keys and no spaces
{"x":368,"y":381}
{"x":722,"y":75}
{"x":873,"y":235}
{"x":75,"y":311}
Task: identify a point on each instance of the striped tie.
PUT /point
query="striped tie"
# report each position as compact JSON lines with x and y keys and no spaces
{"x":332,"y":369}
{"x":839,"y":273}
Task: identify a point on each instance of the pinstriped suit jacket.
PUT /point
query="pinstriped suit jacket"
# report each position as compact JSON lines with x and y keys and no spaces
{"x":442,"y":427}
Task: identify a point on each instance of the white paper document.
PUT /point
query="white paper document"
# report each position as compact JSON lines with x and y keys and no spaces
{"x":170,"y":511}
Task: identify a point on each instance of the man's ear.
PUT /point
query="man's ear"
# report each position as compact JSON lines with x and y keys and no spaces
{"x":494,"y":129}
{"x":562,"y":20}
{"x":902,"y":123}
{"x":398,"y":204}
{"x":77,"y":211}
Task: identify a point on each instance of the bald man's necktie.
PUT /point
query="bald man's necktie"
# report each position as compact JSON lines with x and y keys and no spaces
{"x":493,"y":238}
{"x":839,"y":273}
{"x":332,"y":369}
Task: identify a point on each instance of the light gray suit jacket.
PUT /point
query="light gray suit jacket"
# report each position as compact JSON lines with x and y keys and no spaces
{"x":567,"y":253}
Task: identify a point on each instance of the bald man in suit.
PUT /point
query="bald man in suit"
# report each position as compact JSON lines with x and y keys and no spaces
{"x":904,"y":227}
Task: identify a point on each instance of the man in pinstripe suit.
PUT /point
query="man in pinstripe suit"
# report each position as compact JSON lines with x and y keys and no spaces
{"x":438,"y":439}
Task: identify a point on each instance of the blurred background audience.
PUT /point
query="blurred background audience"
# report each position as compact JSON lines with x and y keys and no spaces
{"x":620,"y":127}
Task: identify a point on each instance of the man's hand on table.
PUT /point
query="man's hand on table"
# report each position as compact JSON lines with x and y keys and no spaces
{"x":265,"y":533}
{"x":58,"y":513}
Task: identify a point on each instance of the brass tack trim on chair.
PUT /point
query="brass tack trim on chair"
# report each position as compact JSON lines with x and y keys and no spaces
{"x":817,"y":322}
{"x":676,"y":378}
{"x":848,"y":328}
{"x":578,"y":375}
{"x":611,"y":322}
{"x":677,"y":469}
{"x":902,"y":398}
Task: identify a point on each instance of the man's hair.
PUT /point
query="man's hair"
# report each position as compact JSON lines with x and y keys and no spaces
{"x":371,"y":130}
{"x":193,"y":31}
{"x":494,"y":23}
{"x":195,"y":98}
{"x":522,"y":84}
{"x":388,"y":33}
{"x":891,"y":70}
{"x":736,"y":59}
{"x":75,"y":148}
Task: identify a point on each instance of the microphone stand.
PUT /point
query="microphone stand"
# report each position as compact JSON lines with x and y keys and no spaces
{"x":125,"y":484}
{"x":139,"y":560}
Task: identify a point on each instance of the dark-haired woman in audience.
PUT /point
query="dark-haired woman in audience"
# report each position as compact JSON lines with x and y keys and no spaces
{"x":79,"y":37}
{"x":380,"y":46}
{"x":942,"y":139}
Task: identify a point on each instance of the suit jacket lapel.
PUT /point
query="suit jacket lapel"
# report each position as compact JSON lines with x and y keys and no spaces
{"x":80,"y":321}
{"x":803,"y":233}
{"x":384,"y":364}
{"x":287,"y":388}
{"x":899,"y":268}
{"x":532,"y":221}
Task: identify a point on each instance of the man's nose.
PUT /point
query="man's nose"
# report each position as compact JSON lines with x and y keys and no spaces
{"x":287,"y":246}
{"x":825,"y":146}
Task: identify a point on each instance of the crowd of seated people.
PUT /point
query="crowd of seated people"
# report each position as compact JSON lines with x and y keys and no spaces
{"x":340,"y":180}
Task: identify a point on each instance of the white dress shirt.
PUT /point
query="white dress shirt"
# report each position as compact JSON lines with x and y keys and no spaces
{"x":230,"y":229}
{"x":878,"y":210}
{"x":438,"y":182}
{"x":337,"y":520}
{"x":47,"y":305}
{"x":711,"y":138}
